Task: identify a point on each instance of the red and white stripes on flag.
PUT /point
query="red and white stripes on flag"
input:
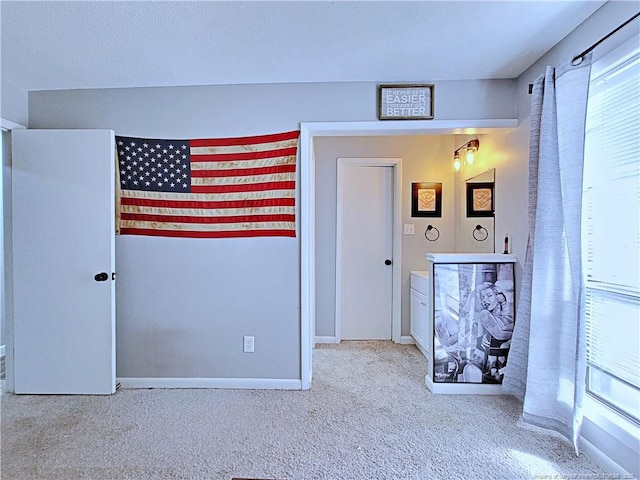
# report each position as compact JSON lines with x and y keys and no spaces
{"x":207,"y":188}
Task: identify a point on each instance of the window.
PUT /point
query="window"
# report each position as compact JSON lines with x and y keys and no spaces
{"x":611,"y":232}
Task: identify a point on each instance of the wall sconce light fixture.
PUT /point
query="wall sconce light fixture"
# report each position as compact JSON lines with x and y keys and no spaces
{"x":470,"y":148}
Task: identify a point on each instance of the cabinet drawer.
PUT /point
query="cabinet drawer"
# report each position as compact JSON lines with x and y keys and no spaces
{"x":419,"y":320}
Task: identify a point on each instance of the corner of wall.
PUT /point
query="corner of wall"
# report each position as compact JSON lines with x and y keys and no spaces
{"x":14,"y":103}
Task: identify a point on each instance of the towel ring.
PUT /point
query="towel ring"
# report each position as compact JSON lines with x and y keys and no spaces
{"x":433,"y":237}
{"x":480,"y":233}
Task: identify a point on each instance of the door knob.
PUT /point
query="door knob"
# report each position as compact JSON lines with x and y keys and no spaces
{"x":387,"y":262}
{"x":101,"y":277}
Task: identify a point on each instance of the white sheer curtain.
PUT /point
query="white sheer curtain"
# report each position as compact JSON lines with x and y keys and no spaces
{"x":546,"y":364}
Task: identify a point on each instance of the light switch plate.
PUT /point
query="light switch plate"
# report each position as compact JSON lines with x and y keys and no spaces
{"x":409,"y":229}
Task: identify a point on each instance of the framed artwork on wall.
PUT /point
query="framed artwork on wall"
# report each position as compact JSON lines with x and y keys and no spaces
{"x":480,"y":201}
{"x":426,"y":199}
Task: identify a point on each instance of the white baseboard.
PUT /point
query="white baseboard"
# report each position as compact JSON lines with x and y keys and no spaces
{"x":326,"y":339}
{"x":407,"y":340}
{"x":404,"y":340}
{"x":238,"y":383}
{"x":601,"y":459}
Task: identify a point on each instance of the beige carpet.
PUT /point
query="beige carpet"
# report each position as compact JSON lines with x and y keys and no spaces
{"x":367,"y":416}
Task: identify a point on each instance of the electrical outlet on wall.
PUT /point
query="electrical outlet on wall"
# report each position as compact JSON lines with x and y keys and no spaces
{"x":248,"y":344}
{"x":409,"y":229}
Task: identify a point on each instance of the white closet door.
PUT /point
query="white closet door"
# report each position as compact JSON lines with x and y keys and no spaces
{"x":63,"y":236}
{"x":365,"y":281}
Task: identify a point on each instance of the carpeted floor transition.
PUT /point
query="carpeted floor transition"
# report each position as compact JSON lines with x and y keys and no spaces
{"x":367,"y":416}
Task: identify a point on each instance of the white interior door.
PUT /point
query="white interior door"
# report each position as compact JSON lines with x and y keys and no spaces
{"x":63,"y":236}
{"x":365,"y":249}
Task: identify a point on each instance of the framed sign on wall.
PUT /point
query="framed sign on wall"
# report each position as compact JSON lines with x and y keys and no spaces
{"x":405,"y":102}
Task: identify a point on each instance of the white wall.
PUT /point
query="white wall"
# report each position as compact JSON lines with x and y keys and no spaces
{"x":13,"y":102}
{"x":625,"y":453}
{"x":184,"y":305}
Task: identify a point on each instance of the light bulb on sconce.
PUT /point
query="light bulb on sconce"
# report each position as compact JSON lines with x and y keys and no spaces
{"x":471,"y":151}
{"x":457,"y":165}
{"x":471,"y":148}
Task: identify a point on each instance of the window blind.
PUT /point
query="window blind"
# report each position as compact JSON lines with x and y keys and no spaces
{"x":611,"y":235}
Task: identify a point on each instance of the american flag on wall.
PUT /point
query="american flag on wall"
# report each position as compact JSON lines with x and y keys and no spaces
{"x":208,"y":188}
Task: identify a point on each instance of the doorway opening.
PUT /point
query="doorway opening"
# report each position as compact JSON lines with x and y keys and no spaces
{"x":6,"y":272}
{"x":308,"y":133}
{"x":5,"y":146}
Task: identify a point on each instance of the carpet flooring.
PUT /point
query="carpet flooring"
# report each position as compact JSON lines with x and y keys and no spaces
{"x":367,"y":416}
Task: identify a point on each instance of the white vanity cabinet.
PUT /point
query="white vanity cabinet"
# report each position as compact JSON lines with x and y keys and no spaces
{"x":420,"y":288}
{"x":470,"y":319}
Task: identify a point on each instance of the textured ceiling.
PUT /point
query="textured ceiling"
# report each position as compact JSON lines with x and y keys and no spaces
{"x":65,"y":45}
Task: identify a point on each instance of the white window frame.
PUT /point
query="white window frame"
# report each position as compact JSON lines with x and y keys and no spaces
{"x":614,"y":423}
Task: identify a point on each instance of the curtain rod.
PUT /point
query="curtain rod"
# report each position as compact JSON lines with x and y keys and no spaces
{"x":580,"y":56}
